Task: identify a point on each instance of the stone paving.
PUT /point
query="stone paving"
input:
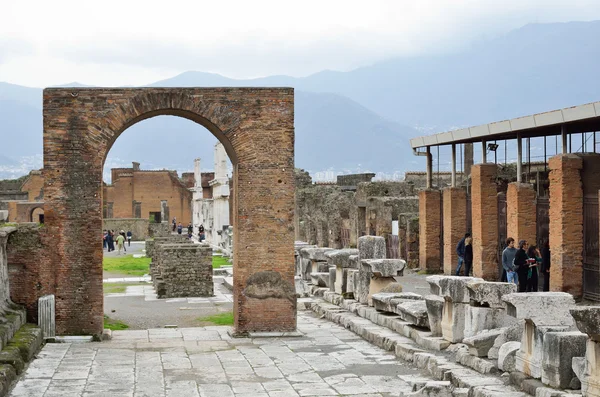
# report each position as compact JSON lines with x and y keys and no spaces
{"x":205,"y":362}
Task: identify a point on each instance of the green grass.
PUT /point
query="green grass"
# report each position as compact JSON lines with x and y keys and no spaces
{"x":219,"y":319}
{"x":218,"y":261}
{"x":126,"y":265}
{"x":114,"y":325}
{"x":114,"y":288}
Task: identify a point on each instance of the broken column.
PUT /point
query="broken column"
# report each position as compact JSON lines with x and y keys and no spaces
{"x":376,"y":274}
{"x":456,"y":300}
{"x":543,"y":312}
{"x":429,"y":229}
{"x":521,"y":219}
{"x":587,"y":319}
{"x":566,"y":223}
{"x":455,"y":223}
{"x":340,"y":259}
{"x":484,"y":202}
{"x":369,"y":247}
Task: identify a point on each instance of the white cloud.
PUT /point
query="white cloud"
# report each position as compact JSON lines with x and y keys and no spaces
{"x":138,"y":42}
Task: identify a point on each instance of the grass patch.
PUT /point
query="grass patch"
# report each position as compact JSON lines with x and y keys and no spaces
{"x":126,"y":265}
{"x":218,"y":261}
{"x":219,"y":319}
{"x":114,"y":288}
{"x":114,"y":325}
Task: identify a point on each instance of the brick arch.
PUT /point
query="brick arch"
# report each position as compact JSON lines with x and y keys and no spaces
{"x":256,"y":128}
{"x":39,"y":206}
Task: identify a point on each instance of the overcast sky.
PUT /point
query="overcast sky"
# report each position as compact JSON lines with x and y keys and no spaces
{"x":126,"y":42}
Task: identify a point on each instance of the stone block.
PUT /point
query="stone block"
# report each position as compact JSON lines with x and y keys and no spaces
{"x":506,"y":356}
{"x":512,"y":333}
{"x":479,"y":319}
{"x":11,"y":355}
{"x":547,"y":308}
{"x":453,"y":321}
{"x":332,"y":276}
{"x":352,"y":280}
{"x":435,"y":309}
{"x":320,"y":279}
{"x":394,"y":287}
{"x":371,"y":247}
{"x":185,"y":270}
{"x":481,"y":343}
{"x":316,"y":254}
{"x":376,"y":274}
{"x":489,"y":294}
{"x":387,"y":301}
{"x":587,"y":320}
{"x":454,"y":288}
{"x":528,"y":358}
{"x":340,"y":259}
{"x":414,"y":312}
{"x":559,"y":349}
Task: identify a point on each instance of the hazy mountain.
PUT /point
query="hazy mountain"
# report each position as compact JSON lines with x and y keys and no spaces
{"x":344,"y":119}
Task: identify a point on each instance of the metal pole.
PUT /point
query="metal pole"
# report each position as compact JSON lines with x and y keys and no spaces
{"x":528,"y":158}
{"x":438,"y":167}
{"x":496,"y":153}
{"x":462,"y":174}
{"x":570,"y":143}
{"x":505,"y":152}
{"x":453,"y":165}
{"x":429,"y":166}
{"x":583,"y":142}
{"x":563,"y":136}
{"x":483,"y":153}
{"x":594,"y":141}
{"x":519,"y":156}
{"x":545,"y":162}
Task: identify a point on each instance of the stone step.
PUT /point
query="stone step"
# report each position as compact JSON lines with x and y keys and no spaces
{"x":21,"y":349}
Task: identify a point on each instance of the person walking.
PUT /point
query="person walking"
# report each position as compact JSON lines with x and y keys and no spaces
{"x":104,"y":243}
{"x":179,"y":228}
{"x":460,"y":250}
{"x":129,"y":235}
{"x":122,"y":233}
{"x":535,"y":259}
{"x":468,"y":255}
{"x":120,"y":242}
{"x":201,"y":235}
{"x":508,"y":258}
{"x":522,"y":265}
{"x":545,"y":268}
{"x":174,"y":223}
{"x":110,"y":240}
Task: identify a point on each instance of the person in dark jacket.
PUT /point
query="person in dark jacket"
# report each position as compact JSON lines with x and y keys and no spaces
{"x":521,"y":265}
{"x":532,"y":272}
{"x":460,"y":251}
{"x":468,"y":255}
{"x":545,"y":268}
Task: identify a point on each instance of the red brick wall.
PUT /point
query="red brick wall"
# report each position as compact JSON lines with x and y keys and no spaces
{"x":33,"y":186}
{"x":521,"y":212}
{"x":429,"y":229}
{"x":122,"y":196}
{"x":566,"y":224}
{"x":256,"y":127}
{"x":484,"y":203}
{"x":455,"y":219}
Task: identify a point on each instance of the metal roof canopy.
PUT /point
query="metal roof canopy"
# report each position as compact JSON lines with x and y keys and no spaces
{"x":576,"y":119}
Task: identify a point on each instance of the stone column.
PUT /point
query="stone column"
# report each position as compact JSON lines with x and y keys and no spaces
{"x":412,"y":242}
{"x":521,"y":212}
{"x":484,"y":199}
{"x":566,"y":224}
{"x":429,"y":229}
{"x":455,"y":219}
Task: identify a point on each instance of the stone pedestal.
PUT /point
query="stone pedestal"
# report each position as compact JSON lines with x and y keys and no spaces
{"x":435,"y":310}
{"x":486,"y":310}
{"x":455,"y":222}
{"x":521,"y":212}
{"x":429,"y":229}
{"x":369,"y":247}
{"x":300,"y":262}
{"x":587,"y":320}
{"x":558,"y":351}
{"x":340,"y":259}
{"x":484,"y":214}
{"x":376,"y":274}
{"x":566,"y":223}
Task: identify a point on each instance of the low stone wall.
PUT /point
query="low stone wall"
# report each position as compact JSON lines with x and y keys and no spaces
{"x":183,"y":270}
{"x":159,"y":229}
{"x":138,"y":227}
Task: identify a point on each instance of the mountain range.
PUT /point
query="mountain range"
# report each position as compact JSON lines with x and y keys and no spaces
{"x":362,"y":119}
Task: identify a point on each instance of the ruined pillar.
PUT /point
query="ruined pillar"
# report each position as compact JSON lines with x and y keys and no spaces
{"x":484,"y":211}
{"x":429,"y":229}
{"x":521,"y":212}
{"x":412,"y":242}
{"x":455,"y":218}
{"x":566,"y":224}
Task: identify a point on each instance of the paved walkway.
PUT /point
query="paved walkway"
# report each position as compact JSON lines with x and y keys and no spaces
{"x":328,"y":361}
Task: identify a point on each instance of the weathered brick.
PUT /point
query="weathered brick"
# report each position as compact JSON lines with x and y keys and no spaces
{"x":429,"y":229}
{"x":521,"y":212}
{"x":455,"y":220}
{"x":484,"y":202}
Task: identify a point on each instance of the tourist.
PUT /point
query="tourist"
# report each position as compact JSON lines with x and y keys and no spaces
{"x":508,"y":258}
{"x":122,"y":233}
{"x":532,"y":273}
{"x":104,"y":243}
{"x":521,"y":265}
{"x":120,"y":243}
{"x":179,"y":228}
{"x":201,"y":235}
{"x":460,"y":250}
{"x":468,"y":259}
{"x":174,"y":224}
{"x":545,"y":268}
{"x":129,"y":234}
{"x":190,"y":230}
{"x":110,"y":240}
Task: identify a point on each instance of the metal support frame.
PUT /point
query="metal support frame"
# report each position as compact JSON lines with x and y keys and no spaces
{"x":453,"y":165}
{"x":519,"y":157}
{"x":563,"y":137}
{"x":429,"y":168}
{"x":483,"y":152}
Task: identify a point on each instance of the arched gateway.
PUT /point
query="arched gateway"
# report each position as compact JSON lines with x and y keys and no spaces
{"x":255,"y":125}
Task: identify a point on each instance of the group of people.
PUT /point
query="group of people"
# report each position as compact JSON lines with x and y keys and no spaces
{"x":110,"y":238}
{"x":190,"y":229}
{"x":521,"y":266}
